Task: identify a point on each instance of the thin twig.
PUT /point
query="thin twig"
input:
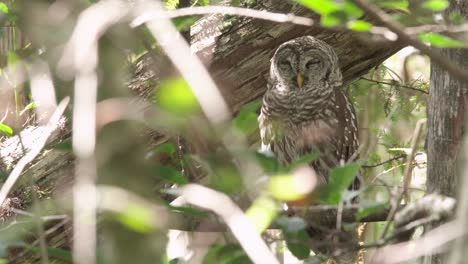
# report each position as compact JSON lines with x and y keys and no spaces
{"x":385,"y":19}
{"x":34,"y":152}
{"x":394,"y":84}
{"x":224,"y":10}
{"x":384,"y":162}
{"x":407,"y":175}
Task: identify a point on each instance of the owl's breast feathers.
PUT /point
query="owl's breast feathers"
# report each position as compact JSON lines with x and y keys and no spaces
{"x":330,"y":130}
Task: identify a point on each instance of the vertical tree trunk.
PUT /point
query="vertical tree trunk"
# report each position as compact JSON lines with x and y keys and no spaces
{"x":446,"y":116}
{"x":446,"y":110}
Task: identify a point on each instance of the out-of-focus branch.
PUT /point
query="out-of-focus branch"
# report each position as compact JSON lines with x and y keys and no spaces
{"x":190,"y":67}
{"x":80,"y":59}
{"x":407,"y":175}
{"x":379,"y":15}
{"x":34,"y":152}
{"x":433,"y":241}
{"x":240,"y":225}
{"x":224,"y":10}
{"x":384,"y":162}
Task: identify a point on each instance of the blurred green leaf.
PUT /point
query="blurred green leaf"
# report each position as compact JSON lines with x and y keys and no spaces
{"x":295,"y":234}
{"x":55,"y":252}
{"x":456,"y":18}
{"x":6,"y":130}
{"x":166,"y":148}
{"x":304,"y":160}
{"x":190,"y":211}
{"x":262,"y":213}
{"x":176,"y":97}
{"x":366,"y":209}
{"x":3,"y":8}
{"x":441,"y":41}
{"x":65,"y":145}
{"x":334,"y":18}
{"x":435,"y":5}
{"x":169,"y":174}
{"x":359,"y":25}
{"x":246,"y":120}
{"x":171,"y":4}
{"x":12,"y":58}
{"x":28,"y":107}
{"x":184,"y":23}
{"x":226,"y":254}
{"x":284,"y":188}
{"x":352,"y":10}
{"x":226,"y":179}
{"x":137,"y":218}
{"x":340,"y":179}
{"x":394,"y":4}
{"x":321,"y":7}
{"x":235,"y":3}
{"x":269,"y":164}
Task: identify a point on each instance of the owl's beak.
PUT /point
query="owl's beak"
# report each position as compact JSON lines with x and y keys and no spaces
{"x":300,"y":80}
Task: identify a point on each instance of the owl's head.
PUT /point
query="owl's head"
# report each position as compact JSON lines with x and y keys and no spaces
{"x":305,"y":64}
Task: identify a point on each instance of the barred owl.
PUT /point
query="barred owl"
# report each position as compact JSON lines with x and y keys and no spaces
{"x":305,"y":110}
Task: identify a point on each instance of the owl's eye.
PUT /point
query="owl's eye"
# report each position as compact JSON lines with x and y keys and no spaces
{"x":312,"y":62}
{"x":285,"y":64}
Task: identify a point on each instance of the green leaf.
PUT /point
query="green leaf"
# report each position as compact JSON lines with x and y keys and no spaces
{"x":369,"y":208}
{"x":359,"y":25}
{"x":394,"y":4}
{"x":184,"y":23}
{"x":321,"y":7}
{"x":269,"y":164}
{"x":295,"y":234}
{"x":189,"y":211}
{"x":226,"y":254}
{"x":285,"y":188}
{"x":262,"y":213}
{"x":6,"y":130}
{"x":138,"y":218}
{"x":334,"y":18}
{"x":340,"y":179}
{"x":171,"y":175}
{"x":65,"y":145}
{"x":54,"y":252}
{"x":435,"y":5}
{"x":3,"y":8}
{"x":352,"y":10}
{"x":304,"y":160}
{"x":28,"y":107}
{"x":246,"y":119}
{"x":166,"y":148}
{"x":441,"y":41}
{"x":176,"y":97}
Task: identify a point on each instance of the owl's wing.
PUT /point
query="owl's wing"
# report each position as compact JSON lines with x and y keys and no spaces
{"x":347,"y":139}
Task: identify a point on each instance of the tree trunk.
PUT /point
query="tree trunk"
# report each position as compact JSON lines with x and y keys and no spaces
{"x":446,"y":118}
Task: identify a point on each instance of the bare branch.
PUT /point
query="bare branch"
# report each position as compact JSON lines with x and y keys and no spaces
{"x":34,"y":152}
{"x":407,"y":175}
{"x":394,"y":84}
{"x":384,"y":162}
{"x":240,"y":225}
{"x":190,"y":66}
{"x":224,"y":10}
{"x":428,"y":244}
